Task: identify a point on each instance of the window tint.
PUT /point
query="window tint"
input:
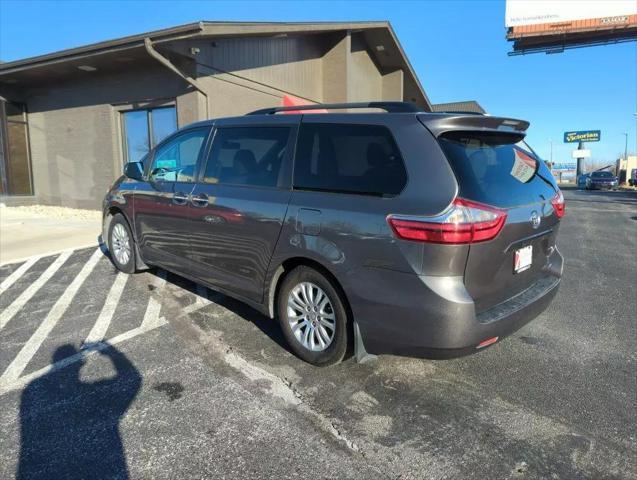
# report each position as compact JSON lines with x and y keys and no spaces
{"x":175,"y":161}
{"x":247,"y":156}
{"x":498,"y":169}
{"x":360,"y":159}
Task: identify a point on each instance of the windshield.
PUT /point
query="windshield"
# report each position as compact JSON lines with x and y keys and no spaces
{"x":602,"y":175}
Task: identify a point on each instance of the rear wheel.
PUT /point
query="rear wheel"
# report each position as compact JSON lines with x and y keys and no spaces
{"x":313,"y":317}
{"x":121,"y":244}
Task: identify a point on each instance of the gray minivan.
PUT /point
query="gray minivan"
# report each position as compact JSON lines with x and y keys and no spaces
{"x":401,"y":232}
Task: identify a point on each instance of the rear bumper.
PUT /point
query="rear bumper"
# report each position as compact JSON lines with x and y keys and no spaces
{"x":434,"y":317}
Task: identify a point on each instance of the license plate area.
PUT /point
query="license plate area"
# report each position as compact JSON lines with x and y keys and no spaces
{"x":522,"y":259}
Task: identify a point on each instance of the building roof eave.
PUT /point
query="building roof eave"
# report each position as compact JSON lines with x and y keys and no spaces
{"x":108,"y":46}
{"x":209,"y":29}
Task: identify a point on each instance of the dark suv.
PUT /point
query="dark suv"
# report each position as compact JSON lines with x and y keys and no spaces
{"x":399,"y":232}
{"x":601,"y":181}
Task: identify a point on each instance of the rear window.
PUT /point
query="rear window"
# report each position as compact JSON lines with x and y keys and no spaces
{"x":345,"y":158}
{"x":602,"y":175}
{"x":498,"y":169}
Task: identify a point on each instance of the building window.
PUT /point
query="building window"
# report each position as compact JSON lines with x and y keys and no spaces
{"x":15,"y":160}
{"x":143,"y":129}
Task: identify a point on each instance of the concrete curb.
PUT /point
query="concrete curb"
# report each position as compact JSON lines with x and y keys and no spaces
{"x":46,"y":254}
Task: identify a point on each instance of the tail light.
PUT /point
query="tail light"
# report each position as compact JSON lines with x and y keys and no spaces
{"x":558,"y":204}
{"x":464,"y":222}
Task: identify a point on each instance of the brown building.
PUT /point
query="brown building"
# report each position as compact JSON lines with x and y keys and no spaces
{"x":468,"y":106}
{"x":70,"y":120}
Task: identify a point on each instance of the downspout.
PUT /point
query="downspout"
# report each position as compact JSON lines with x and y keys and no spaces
{"x":148,"y":44}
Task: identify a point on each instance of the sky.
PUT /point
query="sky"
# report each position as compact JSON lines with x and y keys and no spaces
{"x":457,"y":48}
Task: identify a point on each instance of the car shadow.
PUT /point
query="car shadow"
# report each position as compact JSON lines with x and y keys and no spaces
{"x":269,"y":327}
{"x":70,"y":427}
{"x":264,"y":323}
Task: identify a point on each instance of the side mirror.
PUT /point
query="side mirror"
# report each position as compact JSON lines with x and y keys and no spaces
{"x":134,"y":170}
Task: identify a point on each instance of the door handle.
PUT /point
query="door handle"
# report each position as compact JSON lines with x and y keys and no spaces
{"x":200,"y":200}
{"x":180,"y":198}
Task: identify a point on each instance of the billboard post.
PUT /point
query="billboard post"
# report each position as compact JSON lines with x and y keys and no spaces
{"x":580,"y":160}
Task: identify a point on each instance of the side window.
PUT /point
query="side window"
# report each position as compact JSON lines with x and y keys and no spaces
{"x":247,"y":156}
{"x":176,"y":160}
{"x":362,"y":159}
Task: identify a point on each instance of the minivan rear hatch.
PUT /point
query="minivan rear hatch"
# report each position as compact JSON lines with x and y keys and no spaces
{"x":498,"y":169}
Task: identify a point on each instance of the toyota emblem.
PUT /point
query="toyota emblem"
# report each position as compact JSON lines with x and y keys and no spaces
{"x":535,"y":219}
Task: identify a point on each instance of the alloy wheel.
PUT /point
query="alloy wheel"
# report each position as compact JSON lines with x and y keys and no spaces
{"x":311,"y":316}
{"x":121,"y":244}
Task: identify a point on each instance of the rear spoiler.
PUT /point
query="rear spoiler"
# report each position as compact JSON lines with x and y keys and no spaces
{"x":439,"y":124}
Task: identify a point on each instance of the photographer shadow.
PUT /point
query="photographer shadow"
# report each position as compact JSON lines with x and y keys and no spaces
{"x":69,"y":427}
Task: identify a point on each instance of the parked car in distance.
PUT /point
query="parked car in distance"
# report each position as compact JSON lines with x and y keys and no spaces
{"x":632,"y":181}
{"x":402,"y":232}
{"x":602,"y":180}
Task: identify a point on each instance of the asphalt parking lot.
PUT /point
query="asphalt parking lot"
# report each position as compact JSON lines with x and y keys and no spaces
{"x":191,"y":384}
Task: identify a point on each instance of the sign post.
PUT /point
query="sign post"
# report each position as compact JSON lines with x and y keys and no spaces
{"x":582,"y":136}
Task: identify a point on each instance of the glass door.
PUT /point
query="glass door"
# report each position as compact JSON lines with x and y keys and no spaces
{"x":15,"y":160}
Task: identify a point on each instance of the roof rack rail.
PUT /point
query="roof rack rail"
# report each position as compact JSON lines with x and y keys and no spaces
{"x":389,"y":107}
{"x":460,"y":112}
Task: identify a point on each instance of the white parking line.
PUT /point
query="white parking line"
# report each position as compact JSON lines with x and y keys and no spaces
{"x":11,"y":379}
{"x":7,"y":386}
{"x":29,"y":349}
{"x":31,"y":290}
{"x":104,"y":320}
{"x":151,"y":317}
{"x":11,"y":279}
{"x":47,"y":254}
{"x":202,"y":296}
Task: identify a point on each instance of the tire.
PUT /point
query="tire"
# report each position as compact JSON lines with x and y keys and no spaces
{"x":321,"y":346}
{"x":121,"y":244}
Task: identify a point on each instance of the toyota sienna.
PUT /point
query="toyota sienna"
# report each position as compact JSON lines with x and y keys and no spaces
{"x":401,"y":232}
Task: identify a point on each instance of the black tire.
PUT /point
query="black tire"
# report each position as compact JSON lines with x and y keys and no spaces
{"x":127,"y":266}
{"x":336,"y":350}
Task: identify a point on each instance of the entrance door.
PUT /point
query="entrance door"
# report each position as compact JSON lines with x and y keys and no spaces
{"x":15,"y":162}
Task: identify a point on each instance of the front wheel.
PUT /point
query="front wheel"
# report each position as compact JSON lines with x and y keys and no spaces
{"x":313,"y":317}
{"x":121,"y":244}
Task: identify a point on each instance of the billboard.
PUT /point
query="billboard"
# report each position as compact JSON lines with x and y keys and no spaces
{"x":560,"y":167}
{"x":534,"y":12}
{"x":552,"y":26}
{"x":583,"y":136}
